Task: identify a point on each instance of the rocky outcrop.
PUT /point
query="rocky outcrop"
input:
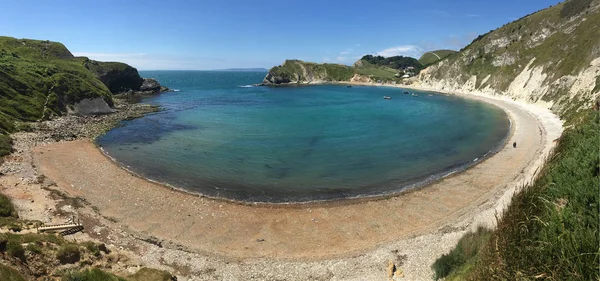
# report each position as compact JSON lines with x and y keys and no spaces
{"x":96,"y":106}
{"x":551,"y":58}
{"x":150,"y":87}
{"x":300,"y":72}
{"x":118,"y":77}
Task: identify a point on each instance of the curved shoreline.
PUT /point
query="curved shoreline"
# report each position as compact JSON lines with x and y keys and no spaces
{"x":401,"y":189}
{"x":421,"y":224}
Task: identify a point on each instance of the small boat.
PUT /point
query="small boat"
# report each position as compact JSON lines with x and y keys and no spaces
{"x":406,"y":92}
{"x":387,"y":98}
{"x":415,"y":95}
{"x":348,"y":86}
{"x":430,"y":95}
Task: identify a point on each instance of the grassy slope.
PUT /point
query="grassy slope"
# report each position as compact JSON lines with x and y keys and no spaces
{"x":376,"y":72}
{"x":430,"y":58}
{"x":550,"y":230}
{"x":39,"y":79}
{"x":292,"y":70}
{"x":561,"y":53}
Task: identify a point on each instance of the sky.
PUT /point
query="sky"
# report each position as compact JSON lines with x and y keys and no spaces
{"x":219,"y":34}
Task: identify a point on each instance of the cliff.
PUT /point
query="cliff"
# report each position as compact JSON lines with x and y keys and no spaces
{"x":300,"y":72}
{"x":41,"y":79}
{"x":550,"y":58}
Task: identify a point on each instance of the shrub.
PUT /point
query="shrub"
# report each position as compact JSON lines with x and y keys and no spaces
{"x":93,"y":274}
{"x":466,"y":251}
{"x":6,"y":207}
{"x":151,"y":274}
{"x":5,"y":145}
{"x":68,"y":254}
{"x":8,"y":273}
{"x":14,"y":248}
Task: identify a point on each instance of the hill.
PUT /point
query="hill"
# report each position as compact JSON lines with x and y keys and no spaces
{"x":431,"y":57}
{"x":550,"y":229}
{"x":368,"y":68}
{"x":41,"y":79}
{"x":549,"y":58}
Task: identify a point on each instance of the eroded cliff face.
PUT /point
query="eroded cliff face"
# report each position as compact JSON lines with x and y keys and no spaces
{"x":550,"y":58}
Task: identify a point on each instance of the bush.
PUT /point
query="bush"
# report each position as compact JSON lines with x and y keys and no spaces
{"x":465,"y":252}
{"x":5,"y":145}
{"x":8,"y":273}
{"x":151,"y":274}
{"x":6,"y":207}
{"x":93,"y":274}
{"x":68,"y":254}
{"x":14,"y":248}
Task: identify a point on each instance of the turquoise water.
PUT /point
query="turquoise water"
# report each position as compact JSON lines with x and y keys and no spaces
{"x":219,"y":137}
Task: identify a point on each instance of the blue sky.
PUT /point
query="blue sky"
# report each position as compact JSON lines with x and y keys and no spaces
{"x":212,"y":34}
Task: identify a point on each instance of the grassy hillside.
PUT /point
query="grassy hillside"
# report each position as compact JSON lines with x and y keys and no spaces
{"x":549,"y":49}
{"x":550,"y":230}
{"x":429,"y":58}
{"x":296,"y":71}
{"x":39,"y":79}
{"x":376,"y":72}
{"x":26,"y":256}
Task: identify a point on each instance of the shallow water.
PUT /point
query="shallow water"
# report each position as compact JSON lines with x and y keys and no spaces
{"x":220,"y":137}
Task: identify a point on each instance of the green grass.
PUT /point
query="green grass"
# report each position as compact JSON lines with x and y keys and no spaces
{"x":550,"y":229}
{"x":430,"y":58}
{"x":294,"y":70}
{"x":150,"y":274}
{"x":560,"y":54}
{"x":93,"y":274}
{"x":6,"y":207}
{"x":8,"y":273}
{"x":463,"y":256}
{"x":377,"y":73}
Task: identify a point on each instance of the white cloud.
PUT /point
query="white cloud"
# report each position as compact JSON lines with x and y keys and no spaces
{"x":345,"y":53}
{"x":341,"y":59}
{"x":403,"y":50}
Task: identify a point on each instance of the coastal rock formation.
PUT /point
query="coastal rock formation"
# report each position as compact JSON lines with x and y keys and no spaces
{"x":118,"y":77}
{"x":95,"y":106}
{"x":151,"y":86}
{"x":551,"y":58}
{"x":300,"y":72}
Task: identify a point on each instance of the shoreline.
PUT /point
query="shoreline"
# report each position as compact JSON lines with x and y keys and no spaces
{"x":349,"y":241}
{"x":354,"y":199}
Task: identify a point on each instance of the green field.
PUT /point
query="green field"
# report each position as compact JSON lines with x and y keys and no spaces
{"x":432,"y":57}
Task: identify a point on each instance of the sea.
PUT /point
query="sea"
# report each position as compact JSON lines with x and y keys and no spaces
{"x":218,"y":136}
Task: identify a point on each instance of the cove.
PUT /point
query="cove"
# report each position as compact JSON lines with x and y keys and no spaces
{"x":221,"y":138}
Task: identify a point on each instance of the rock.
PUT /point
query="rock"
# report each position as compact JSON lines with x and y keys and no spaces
{"x":96,"y":106}
{"x":150,"y":84}
{"x":118,"y":77}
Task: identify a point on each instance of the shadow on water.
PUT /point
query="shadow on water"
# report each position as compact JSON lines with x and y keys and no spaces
{"x":144,"y":130}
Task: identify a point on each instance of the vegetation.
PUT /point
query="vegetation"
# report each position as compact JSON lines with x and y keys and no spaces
{"x":8,"y":273}
{"x":464,"y":255}
{"x":93,"y":274}
{"x":547,"y":39}
{"x":5,"y":147}
{"x":6,"y":207}
{"x":574,"y":7}
{"x":298,"y":71}
{"x":432,"y":57}
{"x":550,"y":229}
{"x":395,"y":62}
{"x":68,"y":253}
{"x":150,"y":274}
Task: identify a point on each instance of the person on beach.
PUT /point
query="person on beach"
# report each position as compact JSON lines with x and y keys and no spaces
{"x":514,"y":144}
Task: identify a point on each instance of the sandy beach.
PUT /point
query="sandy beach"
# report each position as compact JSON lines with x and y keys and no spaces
{"x":215,"y":239}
